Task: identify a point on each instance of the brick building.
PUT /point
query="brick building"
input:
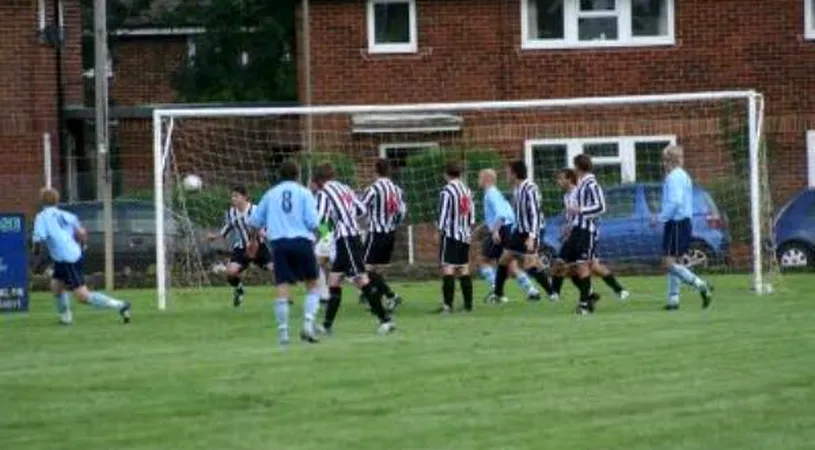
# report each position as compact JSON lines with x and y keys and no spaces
{"x":28,"y":94}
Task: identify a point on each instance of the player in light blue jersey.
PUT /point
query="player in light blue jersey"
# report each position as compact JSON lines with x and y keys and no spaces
{"x":675,"y":215}
{"x":61,"y":233}
{"x":288,"y":212}
{"x":498,"y":218}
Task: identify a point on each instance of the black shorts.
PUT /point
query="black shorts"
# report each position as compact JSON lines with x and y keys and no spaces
{"x":379,"y":248}
{"x":349,"y":259}
{"x":293,"y":260}
{"x":69,"y":274}
{"x":517,"y":243}
{"x":676,"y":237}
{"x":492,"y":250}
{"x":453,"y":252}
{"x":579,"y":246}
{"x":261,"y":259}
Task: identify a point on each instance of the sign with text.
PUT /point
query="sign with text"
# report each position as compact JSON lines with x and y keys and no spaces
{"x":13,"y":263}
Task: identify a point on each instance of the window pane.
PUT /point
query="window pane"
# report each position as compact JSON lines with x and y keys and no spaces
{"x":619,"y":203}
{"x":547,"y":160}
{"x":398,"y":158}
{"x":597,"y":28}
{"x":392,"y":23}
{"x":597,"y":5}
{"x":649,"y":160}
{"x":608,"y":174}
{"x":649,"y":17}
{"x":604,"y":149}
{"x":545,"y":19}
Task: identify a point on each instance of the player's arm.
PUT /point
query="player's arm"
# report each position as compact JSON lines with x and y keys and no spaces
{"x":445,"y":204}
{"x":368,"y":196}
{"x":533,"y":203}
{"x":401,"y":214}
{"x":224,"y":231}
{"x":596,"y":204}
{"x":490,"y":208}
{"x":671,"y":198}
{"x":39,"y":236}
{"x":80,"y":233}
{"x":311,"y":217}
{"x":257,"y":220}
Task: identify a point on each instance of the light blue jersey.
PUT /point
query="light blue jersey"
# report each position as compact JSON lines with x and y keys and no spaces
{"x":287,"y":211}
{"x":496,"y":208}
{"x":677,"y":196}
{"x":55,"y":228}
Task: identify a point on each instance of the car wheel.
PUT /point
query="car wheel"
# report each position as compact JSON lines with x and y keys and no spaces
{"x":699,"y":255}
{"x":794,"y":255}
{"x":545,"y":256}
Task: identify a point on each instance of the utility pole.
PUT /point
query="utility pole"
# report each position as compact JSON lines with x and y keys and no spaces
{"x":104,"y":176}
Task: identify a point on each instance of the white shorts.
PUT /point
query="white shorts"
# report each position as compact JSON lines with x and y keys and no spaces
{"x":325,"y":247}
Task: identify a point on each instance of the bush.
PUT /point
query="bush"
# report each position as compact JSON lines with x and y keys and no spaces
{"x":344,"y":166}
{"x":423,"y":177}
{"x":732,"y":197}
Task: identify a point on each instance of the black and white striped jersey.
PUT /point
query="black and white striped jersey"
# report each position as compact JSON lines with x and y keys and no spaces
{"x":569,"y":202}
{"x":235,"y":229}
{"x":338,"y":205}
{"x":385,"y":205}
{"x":526,"y":201}
{"x":456,"y":211}
{"x":591,"y":203}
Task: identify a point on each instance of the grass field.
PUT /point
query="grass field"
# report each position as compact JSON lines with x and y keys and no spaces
{"x":203,"y":375}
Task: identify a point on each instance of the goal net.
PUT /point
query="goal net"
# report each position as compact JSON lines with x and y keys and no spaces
{"x":625,"y":136}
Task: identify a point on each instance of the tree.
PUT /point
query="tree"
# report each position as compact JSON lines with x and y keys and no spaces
{"x":245,"y":54}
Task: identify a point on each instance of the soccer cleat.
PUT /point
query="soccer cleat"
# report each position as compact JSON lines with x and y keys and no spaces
{"x":554,"y":297}
{"x":707,"y":295}
{"x":386,"y":328}
{"x":125,"y":313}
{"x":594,"y":298}
{"x":305,"y":336}
{"x":391,"y":303}
{"x":623,"y":294}
{"x":323,"y":330}
{"x":671,"y":307}
{"x":582,"y":310}
{"x":494,"y":299}
{"x":444,"y":310}
{"x":488,"y":298}
{"x":534,"y":296}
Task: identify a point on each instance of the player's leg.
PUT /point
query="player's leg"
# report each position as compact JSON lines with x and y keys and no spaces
{"x":307,"y":270}
{"x":601,"y":270}
{"x":534,"y":267}
{"x":579,"y":257}
{"x":75,"y":281}
{"x":378,"y":254}
{"x":62,"y":302}
{"x":370,"y":289}
{"x":237,"y":264}
{"x":465,"y":280}
{"x":323,"y":249}
{"x":448,"y":273}
{"x":523,"y":281}
{"x":490,"y":252}
{"x":675,"y":243}
{"x":558,"y":274}
{"x":513,"y":248}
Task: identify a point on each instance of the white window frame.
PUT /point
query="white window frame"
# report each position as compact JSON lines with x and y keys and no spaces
{"x":412,"y":46}
{"x":811,"y":158}
{"x":626,"y":158}
{"x":571,"y":14}
{"x":809,"y":26}
{"x":383,"y":148}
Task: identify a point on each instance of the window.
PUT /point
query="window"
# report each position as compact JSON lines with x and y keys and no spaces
{"x":811,"y":158}
{"x":596,"y":23}
{"x":617,"y":160}
{"x":398,"y":154}
{"x":809,"y":19}
{"x":392,"y":26}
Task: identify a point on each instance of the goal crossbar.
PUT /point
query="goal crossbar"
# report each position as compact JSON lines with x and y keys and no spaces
{"x":162,"y":143}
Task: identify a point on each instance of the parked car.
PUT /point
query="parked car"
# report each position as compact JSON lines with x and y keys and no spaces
{"x":134,"y":239}
{"x":794,"y":231}
{"x":626,"y":235}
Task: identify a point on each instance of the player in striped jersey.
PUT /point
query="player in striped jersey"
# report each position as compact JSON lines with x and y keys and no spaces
{"x":385,"y":205}
{"x":245,"y":249}
{"x":523,"y":241}
{"x":339,"y":205}
{"x":578,"y":249}
{"x":455,"y":224}
{"x":567,"y":180}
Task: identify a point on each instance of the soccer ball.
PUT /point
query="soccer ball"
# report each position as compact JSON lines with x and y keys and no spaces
{"x":192,"y":183}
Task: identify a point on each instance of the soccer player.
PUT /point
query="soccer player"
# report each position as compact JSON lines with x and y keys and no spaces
{"x":325,"y":252}
{"x":455,"y":223}
{"x":523,"y":241}
{"x":498,"y":218}
{"x":245,"y":251}
{"x":675,"y":215}
{"x":339,"y":205}
{"x":62,"y":234}
{"x":288,"y":212}
{"x":386,"y":208}
{"x":578,"y":249}
{"x":567,"y":180}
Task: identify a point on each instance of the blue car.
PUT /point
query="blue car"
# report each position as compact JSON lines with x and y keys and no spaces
{"x":794,"y":231}
{"x":626,"y":235}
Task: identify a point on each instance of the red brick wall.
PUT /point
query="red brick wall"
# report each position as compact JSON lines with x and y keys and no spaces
{"x":144,"y":68}
{"x":28,"y":102}
{"x":471,"y":50}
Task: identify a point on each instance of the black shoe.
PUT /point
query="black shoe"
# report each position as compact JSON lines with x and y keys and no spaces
{"x":582,"y":310}
{"x":237,"y":297}
{"x":125,"y":313}
{"x":707,"y":296}
{"x":443,"y":310}
{"x":594,"y":297}
{"x":308,"y":337}
{"x":534,"y":297}
{"x":671,"y":307}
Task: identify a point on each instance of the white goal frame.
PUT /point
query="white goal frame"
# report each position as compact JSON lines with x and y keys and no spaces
{"x":163,"y":120}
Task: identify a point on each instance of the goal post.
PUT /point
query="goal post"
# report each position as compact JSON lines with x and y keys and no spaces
{"x":722,"y":133}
